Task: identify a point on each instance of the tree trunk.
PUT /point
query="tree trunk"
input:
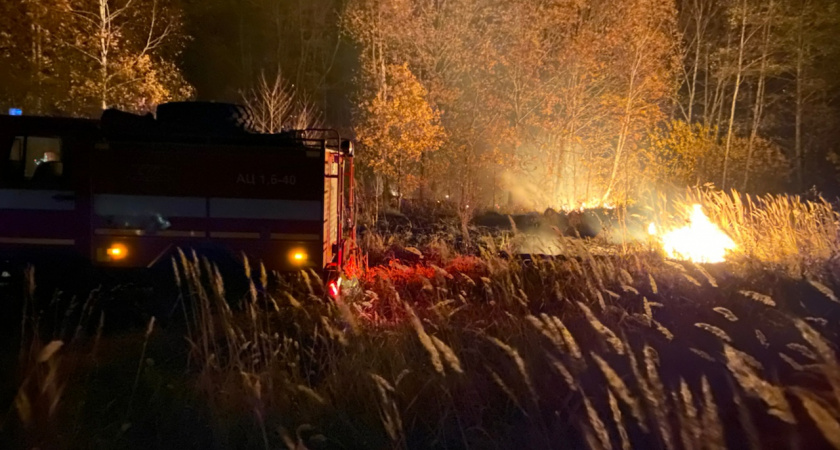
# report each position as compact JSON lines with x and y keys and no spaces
{"x":466,"y":195}
{"x":692,"y":90}
{"x":378,"y":191}
{"x":105,"y":22}
{"x":719,"y":109}
{"x":800,"y":59}
{"x":399,"y":184}
{"x":735,"y":93}
{"x":758,"y":109}
{"x":38,"y":64}
{"x":619,"y":149}
{"x":707,"y":111}
{"x":624,"y":130}
{"x":720,"y":94}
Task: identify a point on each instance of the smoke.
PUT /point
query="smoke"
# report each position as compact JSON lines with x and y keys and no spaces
{"x":553,"y":175}
{"x":522,"y":193}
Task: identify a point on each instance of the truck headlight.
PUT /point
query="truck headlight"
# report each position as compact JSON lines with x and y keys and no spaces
{"x":298,"y":257}
{"x":117,"y":251}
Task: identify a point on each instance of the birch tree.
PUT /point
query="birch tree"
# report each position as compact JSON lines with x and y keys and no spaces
{"x":126,"y":53}
{"x":276,"y":105}
{"x":645,"y":50}
{"x":739,"y":71}
{"x":764,"y":70}
{"x":697,"y":23}
{"x":397,"y":127}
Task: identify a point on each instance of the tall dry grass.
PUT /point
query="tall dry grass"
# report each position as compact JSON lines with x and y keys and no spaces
{"x":584,"y":349}
{"x":439,"y":349}
{"x":793,"y":234}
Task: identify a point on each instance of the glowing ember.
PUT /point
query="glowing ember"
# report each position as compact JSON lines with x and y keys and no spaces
{"x":701,"y":241}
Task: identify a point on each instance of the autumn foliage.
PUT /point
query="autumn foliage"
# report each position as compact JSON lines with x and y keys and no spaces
{"x":398,"y":128}
{"x":75,"y":57}
{"x":577,"y":103}
{"x":560,"y":94}
{"x":474,"y":103}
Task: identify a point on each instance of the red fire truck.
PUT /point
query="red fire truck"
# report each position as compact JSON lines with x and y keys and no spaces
{"x":127,"y":191}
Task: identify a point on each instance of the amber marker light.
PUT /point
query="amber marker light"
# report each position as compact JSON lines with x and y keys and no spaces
{"x":298,"y":256}
{"x":117,"y":252}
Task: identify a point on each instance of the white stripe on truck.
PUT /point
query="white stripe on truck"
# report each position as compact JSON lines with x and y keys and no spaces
{"x":35,"y":199}
{"x":256,"y":208}
{"x":219,"y":208}
{"x":35,"y":241}
{"x":135,"y":205}
{"x":153,"y":233}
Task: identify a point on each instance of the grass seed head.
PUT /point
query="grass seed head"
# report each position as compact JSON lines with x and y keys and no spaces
{"x":619,"y":387}
{"x":691,"y":279}
{"x":653,"y":395}
{"x":702,"y":354}
{"x":520,"y":364}
{"x":546,"y":327}
{"x":505,"y":388}
{"x":691,"y":427}
{"x":388,"y":409}
{"x":803,"y":350}
{"x":665,"y":332}
{"x":816,"y":341}
{"x":828,"y":293}
{"x":571,"y":344}
{"x":563,"y":371}
{"x":619,"y":423}
{"x":791,"y":362}
{"x":626,"y":277}
{"x":608,"y":334}
{"x":761,"y":338}
{"x":754,"y":385}
{"x":448,"y":355}
{"x":817,"y":321}
{"x":426,"y":341}
{"x":827,"y":422}
{"x":713,"y":434}
{"x":712,"y":281}
{"x":714,"y":330}
{"x":761,"y":298}
{"x":726,"y":313}
{"x":597,"y":424}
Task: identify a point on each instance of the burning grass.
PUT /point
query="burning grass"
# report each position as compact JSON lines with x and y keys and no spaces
{"x":433,"y":348}
{"x":786,"y":232}
{"x":699,"y":241}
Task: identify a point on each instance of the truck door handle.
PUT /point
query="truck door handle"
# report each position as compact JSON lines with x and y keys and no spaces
{"x":64,"y":197}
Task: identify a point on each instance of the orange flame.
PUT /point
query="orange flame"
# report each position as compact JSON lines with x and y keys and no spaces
{"x":700,"y":241}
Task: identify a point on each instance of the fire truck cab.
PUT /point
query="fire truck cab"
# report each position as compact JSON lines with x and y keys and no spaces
{"x":127,"y":191}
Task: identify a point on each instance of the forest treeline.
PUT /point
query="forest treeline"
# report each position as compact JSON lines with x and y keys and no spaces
{"x":537,"y":102}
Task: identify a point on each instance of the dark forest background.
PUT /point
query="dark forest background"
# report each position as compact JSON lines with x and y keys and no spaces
{"x":560,"y":103}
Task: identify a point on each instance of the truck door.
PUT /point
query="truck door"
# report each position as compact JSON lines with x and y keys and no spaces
{"x":37,"y":199}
